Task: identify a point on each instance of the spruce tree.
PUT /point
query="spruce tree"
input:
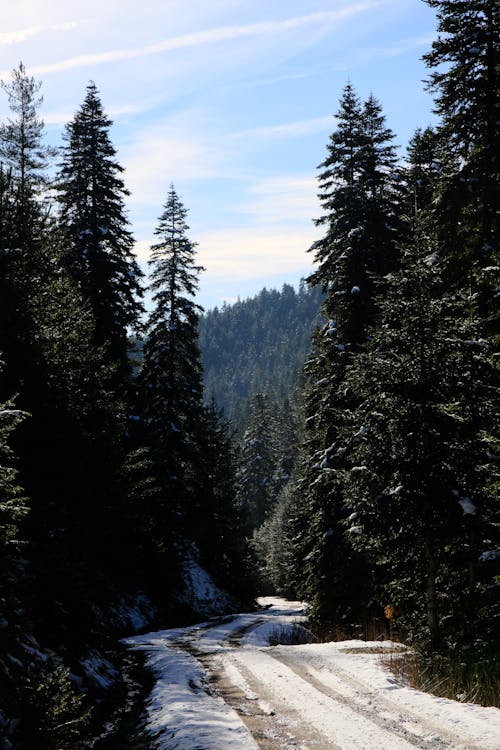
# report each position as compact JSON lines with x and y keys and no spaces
{"x":171,"y":373}
{"x":415,"y":510}
{"x":25,"y":263}
{"x":221,"y":539}
{"x":465,"y":77}
{"x":361,"y":202}
{"x":465,"y":69}
{"x":100,"y":255}
{"x":24,"y":156}
{"x":256,"y":466}
{"x":418,"y":495}
{"x":400,"y":495}
{"x":273,"y":544}
{"x":421,"y":176}
{"x":13,"y":508}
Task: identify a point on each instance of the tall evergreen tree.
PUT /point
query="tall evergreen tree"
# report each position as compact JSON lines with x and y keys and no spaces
{"x":220,"y":537}
{"x":13,"y":507}
{"x":273,"y":544}
{"x":22,"y":152}
{"x":25,"y":263}
{"x":357,"y":191}
{"x":465,"y":69}
{"x":256,"y":466}
{"x":100,"y":246}
{"x":171,"y":374}
{"x":465,"y":76}
{"x":404,"y":513}
{"x":422,"y":174}
{"x":415,"y":508}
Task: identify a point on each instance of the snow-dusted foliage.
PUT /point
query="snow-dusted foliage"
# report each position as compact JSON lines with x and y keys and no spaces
{"x":359,"y":197}
{"x":99,"y":256}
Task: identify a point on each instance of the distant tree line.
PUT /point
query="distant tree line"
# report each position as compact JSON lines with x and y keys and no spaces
{"x":257,"y":345}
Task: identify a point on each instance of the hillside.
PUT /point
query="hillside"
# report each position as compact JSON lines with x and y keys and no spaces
{"x":257,"y":344}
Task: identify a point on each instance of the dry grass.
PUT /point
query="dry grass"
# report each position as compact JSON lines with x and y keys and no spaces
{"x":467,"y":682}
{"x":290,"y":635}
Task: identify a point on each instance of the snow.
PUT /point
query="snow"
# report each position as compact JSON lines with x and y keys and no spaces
{"x":467,"y":506}
{"x":362,"y":431}
{"x":200,"y":592}
{"x":339,"y":695}
{"x":183,"y":713}
{"x":100,"y":670}
{"x":491,"y":554}
{"x":133,"y":613}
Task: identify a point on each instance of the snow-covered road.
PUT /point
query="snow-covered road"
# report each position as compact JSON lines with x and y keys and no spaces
{"x":220,"y":686}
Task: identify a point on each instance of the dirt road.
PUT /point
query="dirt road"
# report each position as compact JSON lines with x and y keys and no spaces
{"x":243,"y":694}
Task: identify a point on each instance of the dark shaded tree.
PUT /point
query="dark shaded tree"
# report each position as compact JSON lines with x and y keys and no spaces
{"x":99,"y":255}
{"x":465,"y":77}
{"x":257,"y":466}
{"x":360,"y":200}
{"x":13,"y":508}
{"x":171,"y":373}
{"x":23,"y":154}
{"x":224,"y":550}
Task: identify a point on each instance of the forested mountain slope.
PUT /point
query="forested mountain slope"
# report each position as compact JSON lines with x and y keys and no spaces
{"x":257,"y":344}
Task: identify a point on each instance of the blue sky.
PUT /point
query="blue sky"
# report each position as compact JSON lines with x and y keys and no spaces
{"x":230,"y":100}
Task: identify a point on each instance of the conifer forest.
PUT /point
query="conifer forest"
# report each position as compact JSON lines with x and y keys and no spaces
{"x":336,"y":444}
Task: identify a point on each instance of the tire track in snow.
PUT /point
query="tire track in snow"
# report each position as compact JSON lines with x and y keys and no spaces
{"x":311,"y":697}
{"x":295,"y":699}
{"x":391,"y":719}
{"x":272,"y":728}
{"x":351,"y":690}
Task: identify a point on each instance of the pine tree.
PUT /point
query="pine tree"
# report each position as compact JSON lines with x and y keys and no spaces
{"x":100,"y":246}
{"x":465,"y":76}
{"x":465,"y":69}
{"x":359,"y":196}
{"x":413,"y":512}
{"x":25,"y":264}
{"x":400,"y":494}
{"x":24,"y":156}
{"x":422,"y":174}
{"x":13,"y":508}
{"x":171,"y":374}
{"x":256,"y":466}
{"x":273,"y":546}
{"x":414,"y":508}
{"x":220,"y":535}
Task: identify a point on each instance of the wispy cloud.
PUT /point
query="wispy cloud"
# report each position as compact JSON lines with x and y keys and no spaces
{"x":287,"y":130}
{"x":283,"y":200}
{"x":253,"y":252}
{"x":398,"y":48}
{"x":211,"y":36}
{"x":295,"y":76}
{"x":61,"y":118}
{"x":162,"y":154}
{"x":21,"y":35}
